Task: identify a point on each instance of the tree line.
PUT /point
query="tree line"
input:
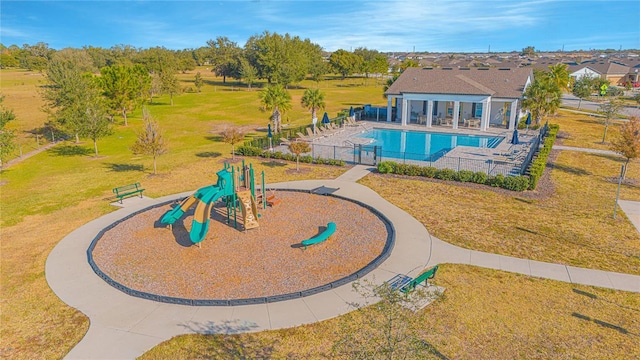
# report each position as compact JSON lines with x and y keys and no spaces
{"x":282,"y":59}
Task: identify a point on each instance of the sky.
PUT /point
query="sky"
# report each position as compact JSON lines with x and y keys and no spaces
{"x":383,"y":25}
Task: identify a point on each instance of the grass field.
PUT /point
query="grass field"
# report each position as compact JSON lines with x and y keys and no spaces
{"x":484,"y":314}
{"x":47,"y":196}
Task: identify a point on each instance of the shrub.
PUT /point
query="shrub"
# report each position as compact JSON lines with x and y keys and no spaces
{"x":479,"y":177}
{"x":496,"y":181}
{"x":464,"y":175}
{"x":306,"y":159}
{"x":414,"y":170}
{"x":248,"y":151}
{"x":320,"y":161}
{"x":540,"y":163}
{"x":386,"y":167}
{"x":516,"y":183}
{"x":445,"y":174}
{"x":428,"y":171}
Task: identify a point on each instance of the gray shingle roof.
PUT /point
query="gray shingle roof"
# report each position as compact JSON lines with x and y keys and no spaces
{"x":497,"y":82}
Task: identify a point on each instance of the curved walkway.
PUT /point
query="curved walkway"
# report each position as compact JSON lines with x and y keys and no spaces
{"x":125,"y":327}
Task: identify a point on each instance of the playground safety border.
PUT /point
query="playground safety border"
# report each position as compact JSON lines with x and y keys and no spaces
{"x":386,"y":252}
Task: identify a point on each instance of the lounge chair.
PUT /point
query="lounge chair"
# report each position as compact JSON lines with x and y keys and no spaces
{"x":303,"y":137}
{"x":311,"y":135}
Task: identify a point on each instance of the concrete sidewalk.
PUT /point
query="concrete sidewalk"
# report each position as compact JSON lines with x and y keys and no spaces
{"x":124,"y":327}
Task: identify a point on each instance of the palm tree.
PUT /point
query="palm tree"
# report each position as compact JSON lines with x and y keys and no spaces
{"x":559,"y":73}
{"x":313,"y":99}
{"x":542,"y":98}
{"x":278,"y":100}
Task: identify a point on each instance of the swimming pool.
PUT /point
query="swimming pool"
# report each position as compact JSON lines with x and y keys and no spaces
{"x":421,"y":145}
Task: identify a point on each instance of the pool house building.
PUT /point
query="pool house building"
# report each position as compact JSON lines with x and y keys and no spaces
{"x":475,"y":98}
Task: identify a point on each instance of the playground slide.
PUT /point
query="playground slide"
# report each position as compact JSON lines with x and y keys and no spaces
{"x":331,"y":228}
{"x":200,"y":223}
{"x":176,"y":213}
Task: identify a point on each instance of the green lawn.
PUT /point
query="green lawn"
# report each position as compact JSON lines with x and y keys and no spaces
{"x":47,"y":196}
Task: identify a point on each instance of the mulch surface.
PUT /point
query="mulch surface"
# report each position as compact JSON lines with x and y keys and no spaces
{"x":143,"y":254}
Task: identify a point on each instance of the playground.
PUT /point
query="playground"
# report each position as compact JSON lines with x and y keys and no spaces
{"x":233,"y":261}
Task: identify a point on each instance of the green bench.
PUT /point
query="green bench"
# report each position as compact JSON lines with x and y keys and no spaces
{"x":128,"y":190}
{"x":407,"y":284}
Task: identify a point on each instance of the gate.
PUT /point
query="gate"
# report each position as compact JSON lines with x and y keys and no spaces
{"x":367,"y":154}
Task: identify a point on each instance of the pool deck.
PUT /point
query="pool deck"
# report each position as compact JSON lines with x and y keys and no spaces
{"x":504,"y":153}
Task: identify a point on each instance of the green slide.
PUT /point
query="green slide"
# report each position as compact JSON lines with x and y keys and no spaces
{"x":200,"y":223}
{"x":331,"y":228}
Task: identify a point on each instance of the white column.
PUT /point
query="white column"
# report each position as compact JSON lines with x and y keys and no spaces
{"x":429,"y":113}
{"x":486,"y":115}
{"x":513,"y":116}
{"x":456,"y":115}
{"x":389,"y":108}
{"x":405,"y":112}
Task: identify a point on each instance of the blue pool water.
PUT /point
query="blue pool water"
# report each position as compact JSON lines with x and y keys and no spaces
{"x":420,"y":145}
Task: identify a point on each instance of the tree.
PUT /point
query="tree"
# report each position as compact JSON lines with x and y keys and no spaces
{"x":542,"y":98}
{"x":198,"y":82}
{"x":170,"y":84}
{"x":373,"y":61}
{"x":232,"y":136}
{"x":407,"y":63}
{"x":528,"y":51}
{"x":313,"y":99}
{"x":224,"y":56}
{"x":609,"y":110}
{"x":248,"y":72}
{"x":278,"y":100}
{"x":95,"y":125}
{"x":582,"y":89}
{"x":628,"y":143}
{"x":297,"y":148}
{"x":559,"y":73}
{"x":124,"y":86}
{"x":150,"y":140}
{"x":383,"y":327}
{"x":388,"y":84}
{"x":7,"y":137}
{"x":282,"y":59}
{"x":344,"y":62}
{"x":70,"y":95}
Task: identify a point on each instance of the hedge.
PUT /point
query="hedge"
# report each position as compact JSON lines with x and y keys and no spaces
{"x":254,"y":151}
{"x":515,"y":183}
{"x":540,"y":163}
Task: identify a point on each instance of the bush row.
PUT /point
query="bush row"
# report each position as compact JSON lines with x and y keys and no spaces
{"x":254,"y":151}
{"x":540,"y":163}
{"x":515,"y":183}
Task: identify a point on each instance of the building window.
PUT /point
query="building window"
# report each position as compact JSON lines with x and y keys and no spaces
{"x":477,"y":111}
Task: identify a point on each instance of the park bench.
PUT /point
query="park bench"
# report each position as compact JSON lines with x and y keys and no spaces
{"x":407,"y":284}
{"x":127,"y":190}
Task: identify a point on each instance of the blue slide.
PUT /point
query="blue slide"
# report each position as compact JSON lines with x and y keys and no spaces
{"x":200,"y":223}
{"x":206,"y":198}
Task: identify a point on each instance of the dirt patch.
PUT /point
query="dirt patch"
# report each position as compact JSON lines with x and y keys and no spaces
{"x":144,"y":255}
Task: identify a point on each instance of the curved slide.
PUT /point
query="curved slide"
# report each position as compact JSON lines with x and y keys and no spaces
{"x":176,"y":213}
{"x":331,"y":228}
{"x":200,"y":223}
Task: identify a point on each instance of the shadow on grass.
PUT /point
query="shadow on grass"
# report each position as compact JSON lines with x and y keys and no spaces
{"x":124,"y":167}
{"x":603,"y":323}
{"x":273,"y":164}
{"x":224,"y":343}
{"x":214,"y":138}
{"x":596,"y":297}
{"x":209,"y":154}
{"x":527,"y":230}
{"x":70,"y":150}
{"x":569,"y":169}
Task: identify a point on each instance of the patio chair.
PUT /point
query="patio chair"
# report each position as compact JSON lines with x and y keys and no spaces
{"x":313,"y":136}
{"x":303,"y":137}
